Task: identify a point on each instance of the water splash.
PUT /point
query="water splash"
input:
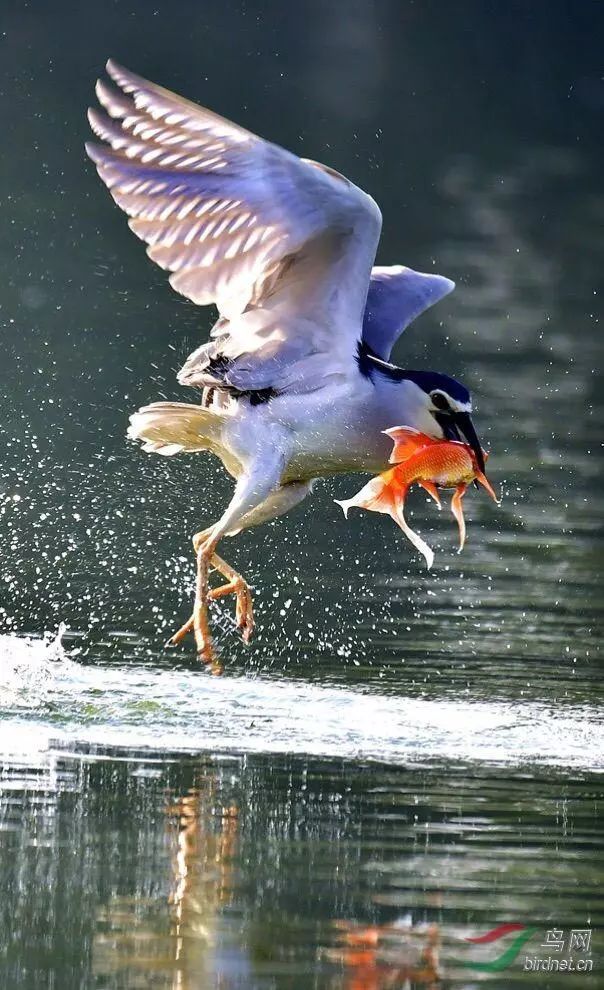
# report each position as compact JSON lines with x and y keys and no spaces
{"x":31,"y":666}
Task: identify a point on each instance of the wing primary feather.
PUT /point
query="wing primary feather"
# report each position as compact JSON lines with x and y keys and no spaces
{"x":282,"y":246}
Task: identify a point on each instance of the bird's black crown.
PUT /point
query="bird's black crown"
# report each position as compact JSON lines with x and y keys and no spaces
{"x":370,"y":364}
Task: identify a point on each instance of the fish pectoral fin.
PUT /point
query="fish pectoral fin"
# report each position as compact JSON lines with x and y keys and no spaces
{"x":457,"y":510}
{"x":432,"y":490}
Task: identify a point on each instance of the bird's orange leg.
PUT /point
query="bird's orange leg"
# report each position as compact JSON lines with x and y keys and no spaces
{"x":254,"y":487}
{"x":199,"y":621}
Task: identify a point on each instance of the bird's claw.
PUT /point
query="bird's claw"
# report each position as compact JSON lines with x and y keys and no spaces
{"x":180,"y":634}
{"x":244,"y":612}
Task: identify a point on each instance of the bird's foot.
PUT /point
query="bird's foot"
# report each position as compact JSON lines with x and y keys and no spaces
{"x":207,"y":656}
{"x":236,"y":584}
{"x":244,"y":611}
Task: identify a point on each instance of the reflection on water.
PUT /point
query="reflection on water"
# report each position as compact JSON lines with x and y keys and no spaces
{"x":123,"y":869}
{"x":383,"y":956}
{"x":138,"y":940}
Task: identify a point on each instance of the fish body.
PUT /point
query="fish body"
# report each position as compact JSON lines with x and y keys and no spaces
{"x":433,"y":464}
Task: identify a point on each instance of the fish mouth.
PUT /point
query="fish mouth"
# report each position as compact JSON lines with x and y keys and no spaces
{"x":459,"y":426}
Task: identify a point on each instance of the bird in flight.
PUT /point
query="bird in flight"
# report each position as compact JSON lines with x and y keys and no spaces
{"x":296,"y":380}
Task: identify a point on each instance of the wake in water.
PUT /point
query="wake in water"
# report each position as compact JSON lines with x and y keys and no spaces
{"x":49,"y":699}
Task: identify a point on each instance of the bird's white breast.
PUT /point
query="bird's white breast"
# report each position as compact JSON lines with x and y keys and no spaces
{"x":336,"y":429}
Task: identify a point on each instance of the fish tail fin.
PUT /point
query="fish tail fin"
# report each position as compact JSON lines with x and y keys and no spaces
{"x":457,"y":510}
{"x":170,"y":428}
{"x":379,"y":495}
{"x":345,"y":504}
{"x":384,"y":494}
{"x":407,"y":442}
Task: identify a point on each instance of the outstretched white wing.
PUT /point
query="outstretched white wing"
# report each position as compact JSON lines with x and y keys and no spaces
{"x":241,"y":223}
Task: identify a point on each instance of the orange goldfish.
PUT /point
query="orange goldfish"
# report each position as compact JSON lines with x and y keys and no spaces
{"x":420,"y":459}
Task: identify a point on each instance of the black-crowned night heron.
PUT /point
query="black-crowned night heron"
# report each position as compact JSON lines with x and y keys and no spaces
{"x":296,"y":379}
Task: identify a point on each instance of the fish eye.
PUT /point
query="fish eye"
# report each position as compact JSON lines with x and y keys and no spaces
{"x":440,"y":400}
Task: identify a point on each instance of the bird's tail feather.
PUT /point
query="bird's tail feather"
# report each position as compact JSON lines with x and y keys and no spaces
{"x":170,"y":428}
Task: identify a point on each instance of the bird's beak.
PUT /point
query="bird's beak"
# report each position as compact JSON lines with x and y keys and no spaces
{"x":464,"y":424}
{"x":459,"y":426}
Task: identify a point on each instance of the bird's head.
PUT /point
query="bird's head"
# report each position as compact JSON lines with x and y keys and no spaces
{"x":440,"y":406}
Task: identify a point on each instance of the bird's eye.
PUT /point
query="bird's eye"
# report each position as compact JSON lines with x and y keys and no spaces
{"x":439,"y":400}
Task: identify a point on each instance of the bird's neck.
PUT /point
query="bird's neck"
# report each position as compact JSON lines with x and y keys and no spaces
{"x":398,"y":392}
{"x":402,"y":403}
